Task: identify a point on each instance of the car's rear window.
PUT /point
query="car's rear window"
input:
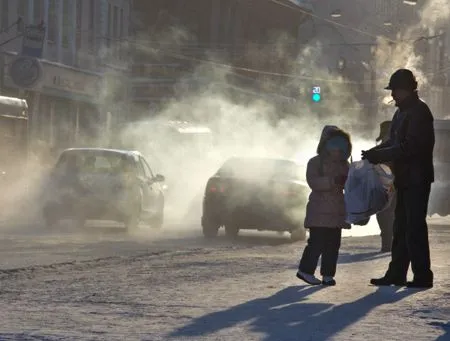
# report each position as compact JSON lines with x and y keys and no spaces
{"x":106,"y":163}
{"x":261,"y":168}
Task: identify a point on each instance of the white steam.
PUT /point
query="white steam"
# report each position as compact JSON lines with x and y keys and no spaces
{"x":275,"y":119}
{"x":278,"y":121}
{"x":411,"y":46}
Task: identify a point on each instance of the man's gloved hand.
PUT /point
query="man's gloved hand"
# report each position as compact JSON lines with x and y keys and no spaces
{"x":340,"y":180}
{"x":371,"y":156}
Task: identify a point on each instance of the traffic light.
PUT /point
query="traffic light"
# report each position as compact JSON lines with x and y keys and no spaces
{"x":316,"y":95}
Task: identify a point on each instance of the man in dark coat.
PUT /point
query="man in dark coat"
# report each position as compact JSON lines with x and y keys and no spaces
{"x":385,"y":218}
{"x":410,"y":150}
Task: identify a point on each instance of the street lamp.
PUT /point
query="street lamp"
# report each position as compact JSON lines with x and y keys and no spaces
{"x":410,"y":2}
{"x":336,"y":14}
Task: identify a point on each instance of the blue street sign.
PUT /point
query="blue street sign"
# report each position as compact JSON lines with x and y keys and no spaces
{"x":33,"y":41}
{"x":25,"y":71}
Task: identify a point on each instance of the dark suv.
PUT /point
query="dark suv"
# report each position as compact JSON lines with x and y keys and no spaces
{"x":104,"y":184}
{"x":258,"y":194}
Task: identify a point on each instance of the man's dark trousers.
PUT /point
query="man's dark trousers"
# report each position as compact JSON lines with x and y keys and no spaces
{"x":410,"y":242}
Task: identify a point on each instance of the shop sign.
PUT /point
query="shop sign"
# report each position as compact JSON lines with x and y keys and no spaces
{"x":73,"y":81}
{"x":25,"y":72}
{"x":33,"y":41}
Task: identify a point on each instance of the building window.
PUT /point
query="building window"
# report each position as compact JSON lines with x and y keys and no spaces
{"x":116,"y":22}
{"x":91,"y":26}
{"x":52,"y":22}
{"x":121,"y":34}
{"x":78,"y":24}
{"x":116,"y":31}
{"x":4,"y":15}
{"x":109,"y":32}
{"x":122,"y":26}
{"x":22,"y":6}
{"x":38,"y":11}
{"x":66,"y":24}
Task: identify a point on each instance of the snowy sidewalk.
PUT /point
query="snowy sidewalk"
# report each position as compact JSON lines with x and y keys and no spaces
{"x":247,"y":291}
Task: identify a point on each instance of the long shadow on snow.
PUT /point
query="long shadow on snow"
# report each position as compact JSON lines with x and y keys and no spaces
{"x":349,"y":258}
{"x":288,"y":315}
{"x":446,"y":328}
{"x":346,"y":258}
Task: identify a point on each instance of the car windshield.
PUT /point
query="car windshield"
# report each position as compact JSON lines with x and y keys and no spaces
{"x":261,"y":168}
{"x":93,"y":163}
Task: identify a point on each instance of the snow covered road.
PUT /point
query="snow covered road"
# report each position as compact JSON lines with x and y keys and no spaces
{"x":178,"y":287}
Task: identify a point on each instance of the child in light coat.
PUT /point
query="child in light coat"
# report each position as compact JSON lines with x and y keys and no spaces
{"x":326,"y":175}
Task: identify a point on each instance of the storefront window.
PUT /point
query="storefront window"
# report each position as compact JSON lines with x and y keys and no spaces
{"x":88,"y":124}
{"x":64,"y":127}
{"x":44,"y":119}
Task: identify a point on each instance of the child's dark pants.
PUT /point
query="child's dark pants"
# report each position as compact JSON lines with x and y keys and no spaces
{"x":325,"y":242}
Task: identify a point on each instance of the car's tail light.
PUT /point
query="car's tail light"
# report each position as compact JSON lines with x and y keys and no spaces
{"x":215,"y":187}
{"x":290,"y":191}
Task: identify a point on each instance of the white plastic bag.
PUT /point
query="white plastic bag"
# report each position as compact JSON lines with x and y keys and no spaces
{"x":368,"y":190}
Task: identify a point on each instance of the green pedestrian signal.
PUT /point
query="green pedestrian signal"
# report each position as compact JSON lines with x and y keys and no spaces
{"x":316,"y":96}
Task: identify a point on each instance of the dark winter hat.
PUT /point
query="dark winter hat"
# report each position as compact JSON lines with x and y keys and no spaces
{"x":402,"y":79}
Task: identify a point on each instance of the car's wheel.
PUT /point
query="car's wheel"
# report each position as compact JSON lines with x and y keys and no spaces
{"x":210,"y":229}
{"x":80,"y":221}
{"x":298,"y":234}
{"x":50,"y":215}
{"x":231,"y":231}
{"x":132,"y":221}
{"x":134,"y":215}
{"x":158,"y":220}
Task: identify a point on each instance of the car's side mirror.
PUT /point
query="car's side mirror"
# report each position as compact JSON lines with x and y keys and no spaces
{"x":159,"y":178}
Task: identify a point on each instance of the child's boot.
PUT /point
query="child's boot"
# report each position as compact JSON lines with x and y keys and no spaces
{"x":328,"y":280}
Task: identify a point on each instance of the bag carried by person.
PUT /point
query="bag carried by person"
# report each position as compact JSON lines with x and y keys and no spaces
{"x":368,"y":190}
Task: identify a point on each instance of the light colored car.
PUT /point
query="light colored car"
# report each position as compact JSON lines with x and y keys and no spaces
{"x":104,"y":184}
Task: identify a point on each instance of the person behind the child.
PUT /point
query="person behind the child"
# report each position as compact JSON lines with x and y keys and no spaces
{"x":385,"y":218}
{"x":325,"y":213}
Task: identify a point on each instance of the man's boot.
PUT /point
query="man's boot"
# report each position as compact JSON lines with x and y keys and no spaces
{"x":388,"y":281}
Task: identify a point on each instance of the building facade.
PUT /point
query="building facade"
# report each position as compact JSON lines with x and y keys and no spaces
{"x":83,"y":63}
{"x":189,"y":34}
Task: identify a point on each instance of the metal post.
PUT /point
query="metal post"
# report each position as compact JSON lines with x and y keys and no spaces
{"x":77,"y":122}
{"x":2,"y":70}
{"x":35,"y":116}
{"x":52,"y":129}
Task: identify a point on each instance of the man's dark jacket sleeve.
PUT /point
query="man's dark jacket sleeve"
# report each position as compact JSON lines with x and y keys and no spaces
{"x":419,"y":132}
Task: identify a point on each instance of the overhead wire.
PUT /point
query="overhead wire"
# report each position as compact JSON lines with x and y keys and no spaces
{"x":270,"y":73}
{"x":233,"y":68}
{"x":309,"y":13}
